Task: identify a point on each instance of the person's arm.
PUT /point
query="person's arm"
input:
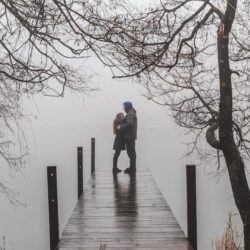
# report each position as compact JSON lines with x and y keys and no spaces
{"x":129,"y":122}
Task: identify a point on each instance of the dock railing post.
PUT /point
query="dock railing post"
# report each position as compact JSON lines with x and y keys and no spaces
{"x":92,"y":155}
{"x":53,"y":207}
{"x":191,"y":205}
{"x":80,"y":170}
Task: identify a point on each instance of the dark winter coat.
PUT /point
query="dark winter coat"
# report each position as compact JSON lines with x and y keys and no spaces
{"x":119,"y":142}
{"x":129,"y":126}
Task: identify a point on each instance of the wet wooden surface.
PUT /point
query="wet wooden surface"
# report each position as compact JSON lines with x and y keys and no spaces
{"x":122,"y":212}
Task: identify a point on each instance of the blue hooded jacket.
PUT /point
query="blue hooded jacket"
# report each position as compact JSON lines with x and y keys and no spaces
{"x":129,"y":125}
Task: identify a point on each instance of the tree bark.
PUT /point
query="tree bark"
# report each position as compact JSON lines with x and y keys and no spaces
{"x":247,"y":236}
{"x":231,"y":153}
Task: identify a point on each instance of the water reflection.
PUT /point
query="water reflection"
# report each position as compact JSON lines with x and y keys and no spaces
{"x":126,"y":209}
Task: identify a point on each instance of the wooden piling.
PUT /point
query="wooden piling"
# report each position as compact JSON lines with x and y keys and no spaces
{"x":53,"y":207}
{"x":80,"y":170}
{"x":191,"y":205}
{"x":92,"y":156}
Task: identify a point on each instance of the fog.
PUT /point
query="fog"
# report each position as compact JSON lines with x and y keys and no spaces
{"x":58,"y":125}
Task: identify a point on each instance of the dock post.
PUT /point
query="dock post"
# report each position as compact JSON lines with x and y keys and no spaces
{"x":92,"y":156}
{"x":80,"y":170}
{"x":191,"y":205}
{"x":53,"y":207}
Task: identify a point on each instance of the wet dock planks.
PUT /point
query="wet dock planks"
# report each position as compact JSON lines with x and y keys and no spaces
{"x":122,"y":212}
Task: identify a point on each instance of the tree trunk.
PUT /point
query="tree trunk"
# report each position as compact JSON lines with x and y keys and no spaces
{"x":247,"y":235}
{"x":231,"y":153}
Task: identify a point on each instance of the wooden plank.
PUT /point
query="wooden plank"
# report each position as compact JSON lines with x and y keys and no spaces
{"x":122,"y":212}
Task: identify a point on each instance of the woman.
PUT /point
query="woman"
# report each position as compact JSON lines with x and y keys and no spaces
{"x":119,"y":143}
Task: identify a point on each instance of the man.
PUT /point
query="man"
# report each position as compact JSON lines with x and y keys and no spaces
{"x":129,"y":126}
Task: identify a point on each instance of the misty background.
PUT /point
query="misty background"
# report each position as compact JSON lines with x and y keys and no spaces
{"x":57,"y":126}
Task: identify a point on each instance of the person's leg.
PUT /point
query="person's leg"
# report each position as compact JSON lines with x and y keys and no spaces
{"x":115,"y":159}
{"x":131,"y":153}
{"x":128,"y":147}
{"x":128,"y":151}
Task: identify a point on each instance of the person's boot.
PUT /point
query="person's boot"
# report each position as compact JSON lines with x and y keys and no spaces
{"x":116,"y":170}
{"x":129,"y":170}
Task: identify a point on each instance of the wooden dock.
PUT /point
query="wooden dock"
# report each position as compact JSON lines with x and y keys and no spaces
{"x":122,"y":212}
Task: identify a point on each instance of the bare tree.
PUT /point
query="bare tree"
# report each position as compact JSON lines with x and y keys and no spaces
{"x":193,"y":56}
{"x":38,"y":41}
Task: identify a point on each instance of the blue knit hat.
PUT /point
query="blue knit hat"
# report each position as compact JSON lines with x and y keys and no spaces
{"x":127,"y":106}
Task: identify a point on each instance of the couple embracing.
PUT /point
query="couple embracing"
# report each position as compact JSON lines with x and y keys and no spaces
{"x":125,"y":130}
